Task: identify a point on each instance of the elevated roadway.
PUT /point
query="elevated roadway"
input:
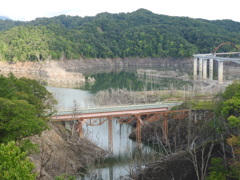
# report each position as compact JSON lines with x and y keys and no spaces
{"x":98,"y":115}
{"x":112,"y":111}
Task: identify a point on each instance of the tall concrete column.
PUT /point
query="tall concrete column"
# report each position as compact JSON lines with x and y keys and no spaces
{"x":204,"y":68}
{"x":194,"y":68}
{"x":211,"y":69}
{"x":220,"y":72}
{"x":200,"y":67}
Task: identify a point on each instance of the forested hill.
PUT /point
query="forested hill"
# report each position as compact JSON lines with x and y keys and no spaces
{"x":4,"y":18}
{"x":137,"y":34}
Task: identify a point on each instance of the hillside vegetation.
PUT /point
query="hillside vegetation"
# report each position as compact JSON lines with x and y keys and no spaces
{"x":137,"y":34}
{"x":24,"y":104}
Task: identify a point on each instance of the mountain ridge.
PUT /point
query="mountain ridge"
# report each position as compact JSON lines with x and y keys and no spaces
{"x":137,"y":34}
{"x":4,"y":18}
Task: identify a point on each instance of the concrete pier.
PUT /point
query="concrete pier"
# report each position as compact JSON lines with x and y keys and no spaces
{"x":204,"y":68}
{"x":195,"y":67}
{"x":220,"y":72}
{"x":211,"y":69}
{"x":210,"y":57}
{"x":200,"y":68}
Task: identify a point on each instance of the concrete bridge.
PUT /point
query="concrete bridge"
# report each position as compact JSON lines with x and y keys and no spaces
{"x":99,"y":115}
{"x":201,"y":60}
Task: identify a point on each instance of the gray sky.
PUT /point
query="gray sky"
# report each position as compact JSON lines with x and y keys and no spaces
{"x":206,"y":9}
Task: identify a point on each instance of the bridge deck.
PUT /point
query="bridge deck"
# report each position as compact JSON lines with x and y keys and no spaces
{"x":114,"y":111}
{"x":212,"y":56}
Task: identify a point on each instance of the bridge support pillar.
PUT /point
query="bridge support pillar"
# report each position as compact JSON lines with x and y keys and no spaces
{"x":80,"y":128}
{"x":110,"y":136}
{"x":138,"y":131}
{"x":220,"y":72}
{"x":195,"y":67}
{"x":200,"y":68}
{"x":165,"y":128}
{"x":204,"y":68}
{"x":211,"y":69}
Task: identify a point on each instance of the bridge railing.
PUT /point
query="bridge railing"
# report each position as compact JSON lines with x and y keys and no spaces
{"x":116,"y":108}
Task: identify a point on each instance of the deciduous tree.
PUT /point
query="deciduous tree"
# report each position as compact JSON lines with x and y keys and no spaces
{"x":14,"y":163}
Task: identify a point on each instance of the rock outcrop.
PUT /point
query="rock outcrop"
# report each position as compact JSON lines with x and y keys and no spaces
{"x":51,"y":73}
{"x":62,"y":152}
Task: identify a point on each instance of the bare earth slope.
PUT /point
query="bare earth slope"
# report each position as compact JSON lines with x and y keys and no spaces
{"x":62,"y":152}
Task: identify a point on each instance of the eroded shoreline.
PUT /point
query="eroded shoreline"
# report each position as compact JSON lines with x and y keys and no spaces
{"x":69,"y":73}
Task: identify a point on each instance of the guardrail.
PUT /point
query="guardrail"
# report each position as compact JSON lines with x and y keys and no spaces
{"x":116,"y":108}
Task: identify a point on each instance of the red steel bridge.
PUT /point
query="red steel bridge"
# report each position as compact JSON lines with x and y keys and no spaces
{"x":99,"y":115}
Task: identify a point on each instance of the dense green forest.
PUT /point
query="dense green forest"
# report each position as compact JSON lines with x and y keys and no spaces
{"x":24,"y":105}
{"x":137,"y":34}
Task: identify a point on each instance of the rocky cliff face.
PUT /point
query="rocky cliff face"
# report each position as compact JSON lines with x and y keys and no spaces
{"x":51,"y":73}
{"x":62,"y":152}
{"x":82,"y":64}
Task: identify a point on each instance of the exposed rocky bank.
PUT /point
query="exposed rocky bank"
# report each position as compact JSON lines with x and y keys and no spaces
{"x":62,"y":152}
{"x":68,"y":73}
{"x":48,"y":72}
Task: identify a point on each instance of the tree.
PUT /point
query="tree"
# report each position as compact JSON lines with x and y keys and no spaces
{"x":217,"y":170}
{"x":14,"y":163}
{"x":231,"y":90}
{"x":230,"y":113}
{"x":234,"y":143}
{"x":24,"y":107}
{"x":18,"y":120}
{"x":200,"y":158}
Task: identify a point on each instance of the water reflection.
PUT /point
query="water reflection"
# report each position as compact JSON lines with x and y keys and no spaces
{"x":126,"y":153}
{"x":66,"y":97}
{"x":142,"y":80}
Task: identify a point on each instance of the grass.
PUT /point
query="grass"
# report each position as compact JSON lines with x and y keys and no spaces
{"x":203,"y":105}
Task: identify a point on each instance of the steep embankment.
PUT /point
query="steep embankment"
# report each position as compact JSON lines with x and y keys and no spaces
{"x":184,"y":133}
{"x":62,"y":152}
{"x":52,"y":73}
